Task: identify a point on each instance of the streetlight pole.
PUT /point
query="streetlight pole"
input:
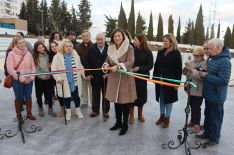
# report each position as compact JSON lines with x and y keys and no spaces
{"x":42,"y":22}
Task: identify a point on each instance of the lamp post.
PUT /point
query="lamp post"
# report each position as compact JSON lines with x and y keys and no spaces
{"x":42,"y":22}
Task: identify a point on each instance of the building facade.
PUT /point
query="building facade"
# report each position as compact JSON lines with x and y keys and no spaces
{"x":10,"y":8}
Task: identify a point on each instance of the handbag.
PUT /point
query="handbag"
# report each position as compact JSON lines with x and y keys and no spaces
{"x":8,"y":82}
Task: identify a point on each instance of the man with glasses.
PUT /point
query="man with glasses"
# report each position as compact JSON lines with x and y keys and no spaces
{"x":215,"y":87}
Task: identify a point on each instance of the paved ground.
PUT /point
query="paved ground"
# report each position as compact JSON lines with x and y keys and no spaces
{"x":91,"y":136}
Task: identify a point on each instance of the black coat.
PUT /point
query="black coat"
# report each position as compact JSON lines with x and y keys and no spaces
{"x":95,"y":59}
{"x":143,"y":60}
{"x":169,"y":66}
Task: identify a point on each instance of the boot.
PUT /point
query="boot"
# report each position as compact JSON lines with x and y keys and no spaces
{"x":124,"y":129}
{"x":131,"y":118}
{"x":28,"y":103}
{"x":140,"y":116}
{"x":79,"y":113}
{"x":68,"y":114}
{"x":51,"y":112}
{"x":118,"y":115}
{"x":41,"y":112}
{"x":160,"y":120}
{"x":166,"y":122}
{"x":17,"y":109}
{"x":61,"y":113}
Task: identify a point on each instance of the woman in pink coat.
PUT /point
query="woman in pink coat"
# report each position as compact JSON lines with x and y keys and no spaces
{"x":22,"y":86}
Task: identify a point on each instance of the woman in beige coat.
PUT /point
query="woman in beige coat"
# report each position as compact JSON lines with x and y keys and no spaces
{"x":120,"y":87}
{"x":67,"y":58}
{"x":191,"y":70}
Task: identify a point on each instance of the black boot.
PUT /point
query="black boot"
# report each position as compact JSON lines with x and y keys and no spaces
{"x":124,"y":129}
{"x":118,"y":116}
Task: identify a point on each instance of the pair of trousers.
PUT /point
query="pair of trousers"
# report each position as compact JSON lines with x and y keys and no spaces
{"x":195,"y":104}
{"x":213,"y":120}
{"x":165,"y":108}
{"x":122,"y":113}
{"x":86,"y":91}
{"x":67,"y":101}
{"x":22,"y":91}
{"x":98,"y":90}
{"x":44,"y":87}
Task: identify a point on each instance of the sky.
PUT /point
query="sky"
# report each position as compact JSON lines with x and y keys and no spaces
{"x":213,"y":11}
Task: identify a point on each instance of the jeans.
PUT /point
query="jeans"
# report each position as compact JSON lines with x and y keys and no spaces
{"x":67,"y":101}
{"x":165,"y":108}
{"x":22,"y":91}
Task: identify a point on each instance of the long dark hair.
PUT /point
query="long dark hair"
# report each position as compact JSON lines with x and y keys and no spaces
{"x":52,"y":36}
{"x":143,"y":42}
{"x":50,"y":50}
{"x":36,"y":53}
{"x":113,"y":33}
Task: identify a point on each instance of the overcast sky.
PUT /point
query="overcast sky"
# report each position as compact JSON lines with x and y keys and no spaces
{"x":184,"y":8}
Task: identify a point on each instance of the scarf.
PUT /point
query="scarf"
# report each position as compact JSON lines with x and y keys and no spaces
{"x":68,"y":66}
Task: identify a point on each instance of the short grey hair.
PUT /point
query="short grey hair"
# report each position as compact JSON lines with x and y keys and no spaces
{"x":216,"y":42}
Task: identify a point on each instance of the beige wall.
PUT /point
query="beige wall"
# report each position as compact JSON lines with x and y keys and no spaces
{"x":19,"y":23}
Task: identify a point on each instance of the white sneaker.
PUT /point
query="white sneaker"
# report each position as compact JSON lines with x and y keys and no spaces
{"x":68,"y":114}
{"x":79,"y":113}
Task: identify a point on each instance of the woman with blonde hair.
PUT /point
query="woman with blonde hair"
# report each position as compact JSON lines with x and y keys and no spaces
{"x":191,"y":70}
{"x":21,"y":60}
{"x":68,"y":84}
{"x":168,"y":64}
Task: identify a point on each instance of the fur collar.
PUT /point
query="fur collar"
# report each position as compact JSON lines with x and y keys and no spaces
{"x":114,"y":55}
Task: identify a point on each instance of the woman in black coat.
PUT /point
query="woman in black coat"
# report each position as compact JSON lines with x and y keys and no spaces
{"x":167,"y":65}
{"x":143,"y":64}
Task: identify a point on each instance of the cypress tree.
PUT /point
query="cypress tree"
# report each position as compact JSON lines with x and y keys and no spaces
{"x":218,"y":32}
{"x":227,"y":37}
{"x":170,"y":25}
{"x":160,"y":28}
{"x":131,"y":20}
{"x":74,"y":20}
{"x":178,"y":38}
{"x":84,"y":15}
{"x":150,"y":34}
{"x":22,"y":14}
{"x":192,"y":35}
{"x":232,"y":38}
{"x":212,"y":33}
{"x":186,"y":34}
{"x":207,"y":33}
{"x":199,"y":28}
{"x":122,"y":19}
{"x":140,"y":24}
{"x":110,"y":25}
{"x":65,"y":18}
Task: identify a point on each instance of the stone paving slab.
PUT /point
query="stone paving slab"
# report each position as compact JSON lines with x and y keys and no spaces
{"x":91,"y":136}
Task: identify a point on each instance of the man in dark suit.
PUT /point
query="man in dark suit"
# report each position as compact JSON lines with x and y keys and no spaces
{"x":95,"y":58}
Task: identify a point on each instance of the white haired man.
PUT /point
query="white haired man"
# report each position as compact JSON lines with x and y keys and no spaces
{"x":215,"y":87}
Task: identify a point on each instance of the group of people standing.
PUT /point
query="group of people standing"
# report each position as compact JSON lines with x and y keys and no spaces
{"x":107,"y":82}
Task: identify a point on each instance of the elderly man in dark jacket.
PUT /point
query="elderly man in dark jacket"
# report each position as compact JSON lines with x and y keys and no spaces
{"x":95,"y":58}
{"x":82,"y":50}
{"x":215,"y":87}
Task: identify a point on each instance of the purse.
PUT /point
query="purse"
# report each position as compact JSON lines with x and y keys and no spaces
{"x":8,"y":82}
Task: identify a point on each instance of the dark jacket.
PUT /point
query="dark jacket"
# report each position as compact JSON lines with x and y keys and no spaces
{"x":169,"y":66}
{"x":82,"y":51}
{"x":95,"y":59}
{"x":143,"y":60}
{"x":216,"y":82}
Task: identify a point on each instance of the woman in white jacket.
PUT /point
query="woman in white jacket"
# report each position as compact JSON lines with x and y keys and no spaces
{"x":67,"y":58}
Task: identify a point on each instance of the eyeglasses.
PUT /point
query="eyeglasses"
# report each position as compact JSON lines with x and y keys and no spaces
{"x":195,"y":55}
{"x":67,"y":46}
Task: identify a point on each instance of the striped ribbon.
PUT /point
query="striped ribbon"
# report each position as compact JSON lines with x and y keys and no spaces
{"x":135,"y":75}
